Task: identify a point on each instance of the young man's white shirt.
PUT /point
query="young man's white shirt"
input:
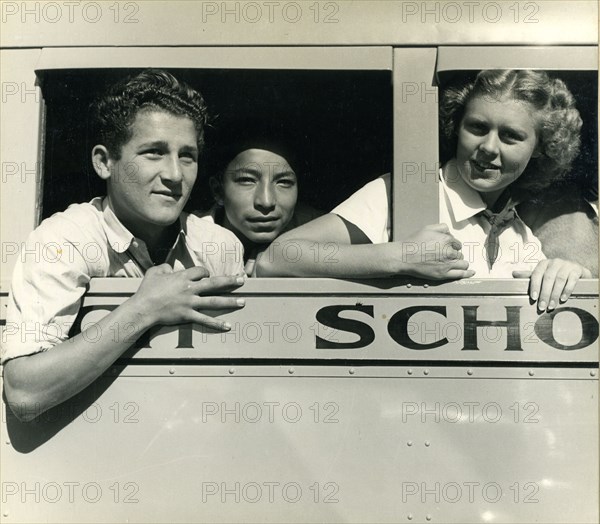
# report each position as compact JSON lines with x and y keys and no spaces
{"x":87,"y":240}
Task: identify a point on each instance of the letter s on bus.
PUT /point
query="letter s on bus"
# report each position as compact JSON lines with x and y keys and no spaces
{"x":329,"y":316}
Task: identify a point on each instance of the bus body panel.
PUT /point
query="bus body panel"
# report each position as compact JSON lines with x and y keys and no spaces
{"x":181,"y":23}
{"x":183,"y":443}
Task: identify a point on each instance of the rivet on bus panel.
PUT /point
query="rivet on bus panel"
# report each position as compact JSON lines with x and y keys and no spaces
{"x":409,"y":285}
{"x":593,"y":373}
{"x":427,"y":443}
{"x":531,"y":373}
{"x":469,"y":371}
{"x":291,"y":371}
{"x":425,"y":285}
{"x":409,"y":443}
{"x":231,"y":371}
{"x":409,"y":516}
{"x":426,"y":372}
{"x":351,"y":371}
{"x":428,"y":517}
{"x":171,"y":371}
{"x":410,"y":371}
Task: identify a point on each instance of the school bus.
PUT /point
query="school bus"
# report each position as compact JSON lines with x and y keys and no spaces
{"x":390,"y":400}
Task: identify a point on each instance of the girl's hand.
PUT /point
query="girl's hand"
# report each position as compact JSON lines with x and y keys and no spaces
{"x":553,"y":281}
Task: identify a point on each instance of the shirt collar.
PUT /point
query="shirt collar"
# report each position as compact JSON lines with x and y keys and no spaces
{"x":119,"y":237}
{"x":464,"y":201}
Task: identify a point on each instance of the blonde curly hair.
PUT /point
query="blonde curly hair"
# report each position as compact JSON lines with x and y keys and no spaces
{"x":559,"y":123}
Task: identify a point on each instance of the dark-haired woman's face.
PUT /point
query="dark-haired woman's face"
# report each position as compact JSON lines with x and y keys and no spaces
{"x":260,"y":191}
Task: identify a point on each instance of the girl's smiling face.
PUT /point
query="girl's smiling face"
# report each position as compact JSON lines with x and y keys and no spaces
{"x":496,"y":140}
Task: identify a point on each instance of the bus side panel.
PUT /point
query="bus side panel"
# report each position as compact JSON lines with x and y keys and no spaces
{"x":20,"y":151}
{"x":311,"y":444}
{"x":372,"y":22}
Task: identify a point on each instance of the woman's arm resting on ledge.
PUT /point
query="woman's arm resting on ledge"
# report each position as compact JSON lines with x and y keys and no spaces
{"x":430,"y":253}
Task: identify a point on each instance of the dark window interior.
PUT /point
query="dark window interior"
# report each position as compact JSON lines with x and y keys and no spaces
{"x":345,"y":119}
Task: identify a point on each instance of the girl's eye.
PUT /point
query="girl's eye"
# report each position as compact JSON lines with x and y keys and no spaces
{"x":476,"y":128}
{"x":511,"y":137}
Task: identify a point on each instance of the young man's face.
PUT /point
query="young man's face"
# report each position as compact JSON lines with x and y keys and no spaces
{"x":151,"y":182}
{"x":259,"y":191}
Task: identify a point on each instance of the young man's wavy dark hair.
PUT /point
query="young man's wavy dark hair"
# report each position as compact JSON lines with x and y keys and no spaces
{"x":113,"y":113}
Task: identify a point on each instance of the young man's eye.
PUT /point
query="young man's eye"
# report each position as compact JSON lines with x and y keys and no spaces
{"x":152,"y":153}
{"x":286,"y":182}
{"x":245,"y":180}
{"x":188,"y":157}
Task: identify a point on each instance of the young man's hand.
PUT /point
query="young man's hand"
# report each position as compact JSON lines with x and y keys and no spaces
{"x":177,"y":297}
{"x":432,"y":253}
{"x":552,"y":281}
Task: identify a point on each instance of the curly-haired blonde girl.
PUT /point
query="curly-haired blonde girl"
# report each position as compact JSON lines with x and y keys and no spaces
{"x":558,"y":121}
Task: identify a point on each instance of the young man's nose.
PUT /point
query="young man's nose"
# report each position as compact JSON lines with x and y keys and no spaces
{"x":171,"y":170}
{"x":264,"y":199}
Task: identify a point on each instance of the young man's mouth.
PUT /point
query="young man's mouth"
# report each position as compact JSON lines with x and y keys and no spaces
{"x":168,"y":194}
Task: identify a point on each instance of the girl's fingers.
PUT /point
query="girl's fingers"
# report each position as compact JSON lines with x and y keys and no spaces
{"x":548,"y":280}
{"x":455,"y":274}
{"x":522,"y":274}
{"x":535,"y":281}
{"x":461,"y":264}
{"x":560,"y":282}
{"x":569,"y":286}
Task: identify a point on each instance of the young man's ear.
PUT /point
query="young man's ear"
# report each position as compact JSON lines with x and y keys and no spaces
{"x":216,"y":189}
{"x":101,"y":161}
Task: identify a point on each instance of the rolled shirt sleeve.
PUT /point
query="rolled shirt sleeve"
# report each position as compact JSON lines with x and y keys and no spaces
{"x":369,"y":209}
{"x":86,"y":241}
{"x":47,"y":286}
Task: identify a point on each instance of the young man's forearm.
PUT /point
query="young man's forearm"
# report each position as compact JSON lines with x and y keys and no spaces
{"x":38,"y":382}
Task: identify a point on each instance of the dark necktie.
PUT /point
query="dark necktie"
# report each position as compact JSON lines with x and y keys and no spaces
{"x":499,"y":221}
